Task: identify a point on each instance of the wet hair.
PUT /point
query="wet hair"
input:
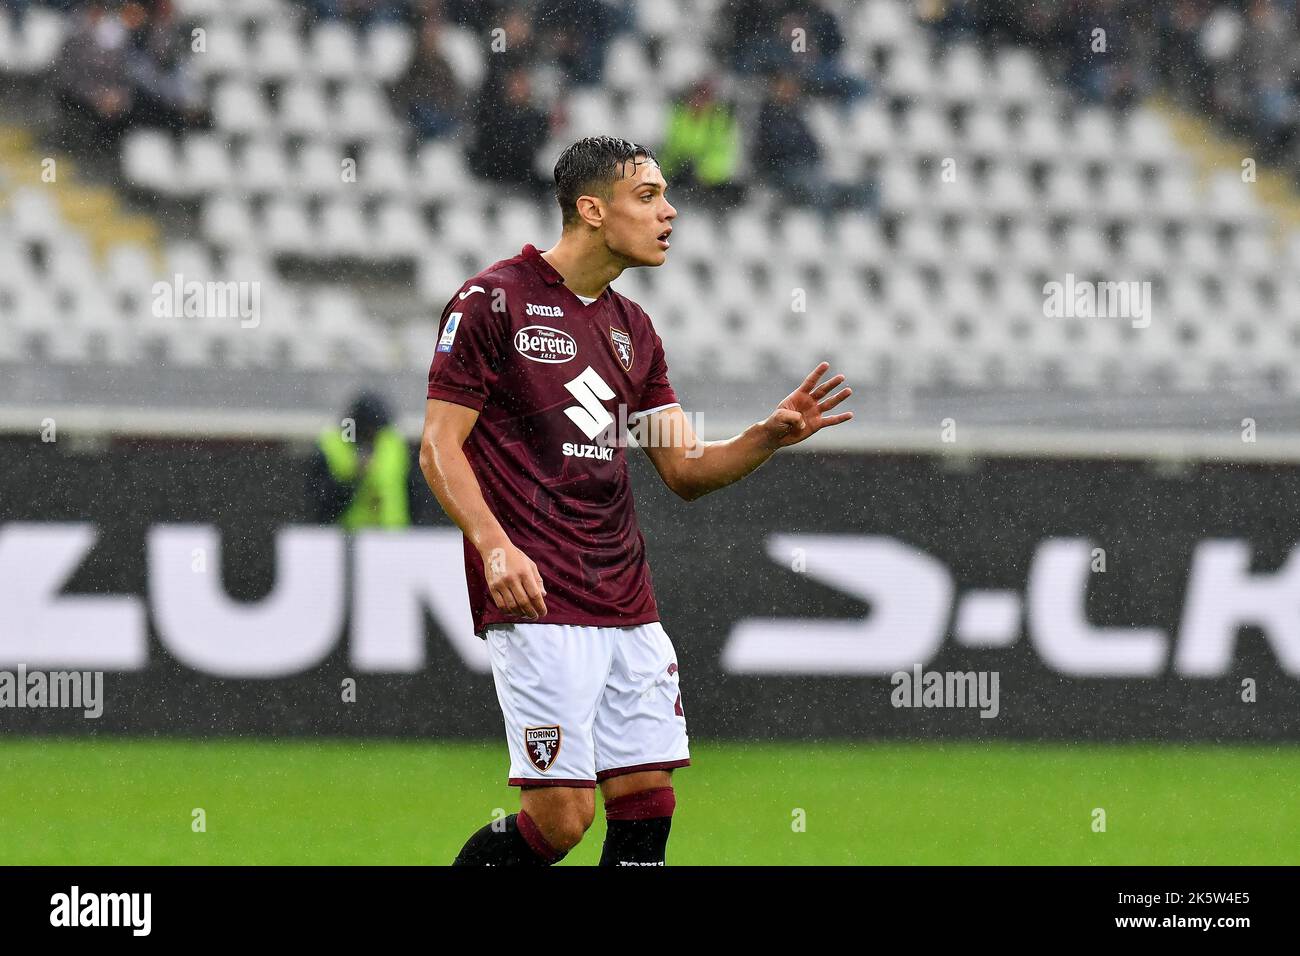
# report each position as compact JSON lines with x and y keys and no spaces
{"x":591,"y":166}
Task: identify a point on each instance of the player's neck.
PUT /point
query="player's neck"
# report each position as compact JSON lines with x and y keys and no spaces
{"x":586,"y":270}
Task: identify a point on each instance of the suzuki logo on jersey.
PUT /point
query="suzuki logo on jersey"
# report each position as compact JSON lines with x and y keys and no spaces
{"x":554,"y":311}
{"x":542,"y":745}
{"x":592,"y":392}
{"x":541,"y":343}
{"x":623,"y":347}
{"x":588,"y":451}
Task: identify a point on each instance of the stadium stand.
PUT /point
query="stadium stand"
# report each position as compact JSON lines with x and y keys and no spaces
{"x":988,"y":181}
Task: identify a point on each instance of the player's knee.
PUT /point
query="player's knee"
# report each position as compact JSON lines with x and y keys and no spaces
{"x":565,"y":829}
{"x":564,"y":822}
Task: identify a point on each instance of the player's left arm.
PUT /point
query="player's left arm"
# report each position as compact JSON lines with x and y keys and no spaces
{"x":691,"y":467}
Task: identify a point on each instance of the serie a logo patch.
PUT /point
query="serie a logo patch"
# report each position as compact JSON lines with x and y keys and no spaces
{"x":542,"y":745}
{"x":449,"y":332}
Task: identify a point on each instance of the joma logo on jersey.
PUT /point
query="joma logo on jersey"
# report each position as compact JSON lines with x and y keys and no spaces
{"x":542,"y":745}
{"x":541,"y":343}
{"x":588,"y":451}
{"x":554,"y":311}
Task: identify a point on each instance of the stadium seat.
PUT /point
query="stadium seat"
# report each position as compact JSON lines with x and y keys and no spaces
{"x":149,"y":161}
{"x":238,"y":107}
{"x":440,"y":171}
{"x":264,"y":167}
{"x":225,"y":52}
{"x":278,"y":53}
{"x":465,"y":54}
{"x":399,"y":232}
{"x":627,"y":66}
{"x":206,"y":165}
{"x":965,"y":74}
{"x":303,"y":109}
{"x":288,"y":229}
{"x":363,"y":113}
{"x":333,"y":51}
{"x":226,"y":221}
{"x":388,"y":51}
{"x":321,"y":169}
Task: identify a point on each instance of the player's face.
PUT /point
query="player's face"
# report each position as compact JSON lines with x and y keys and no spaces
{"x":640,"y":217}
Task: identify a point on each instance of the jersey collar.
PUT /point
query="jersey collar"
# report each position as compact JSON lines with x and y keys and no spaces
{"x":544,"y":269}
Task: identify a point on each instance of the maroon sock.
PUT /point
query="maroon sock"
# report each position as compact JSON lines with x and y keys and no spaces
{"x":516,"y":843}
{"x":637,"y":828}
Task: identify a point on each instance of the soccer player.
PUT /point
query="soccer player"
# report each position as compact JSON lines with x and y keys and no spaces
{"x":538,"y":369}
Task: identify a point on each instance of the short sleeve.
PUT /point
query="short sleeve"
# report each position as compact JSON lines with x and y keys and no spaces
{"x":657,"y":393}
{"x":470,"y":349}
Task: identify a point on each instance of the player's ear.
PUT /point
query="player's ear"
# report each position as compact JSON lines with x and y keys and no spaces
{"x":591,"y":210}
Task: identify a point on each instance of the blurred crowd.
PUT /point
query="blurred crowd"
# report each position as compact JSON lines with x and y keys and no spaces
{"x":701,"y":146}
{"x":1237,"y":60}
{"x":124,"y":64}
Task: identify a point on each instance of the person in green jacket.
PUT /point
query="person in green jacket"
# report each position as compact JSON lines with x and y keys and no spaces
{"x":702,"y":145}
{"x":360,"y":475}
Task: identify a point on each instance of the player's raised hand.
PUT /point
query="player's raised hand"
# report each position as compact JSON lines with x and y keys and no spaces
{"x":514,"y":581}
{"x":803,"y":412}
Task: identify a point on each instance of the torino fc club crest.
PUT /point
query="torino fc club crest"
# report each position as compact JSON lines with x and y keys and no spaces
{"x":623,"y":346}
{"x":543,"y":746}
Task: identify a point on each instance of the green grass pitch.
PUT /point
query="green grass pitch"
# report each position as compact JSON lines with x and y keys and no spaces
{"x":115,"y":801}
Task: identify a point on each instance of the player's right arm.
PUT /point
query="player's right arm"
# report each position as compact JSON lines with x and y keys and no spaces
{"x":512,"y":577}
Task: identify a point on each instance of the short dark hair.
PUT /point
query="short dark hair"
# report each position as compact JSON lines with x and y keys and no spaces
{"x":590,"y":167}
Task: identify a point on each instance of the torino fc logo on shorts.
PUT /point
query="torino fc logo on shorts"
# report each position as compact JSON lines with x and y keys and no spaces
{"x":543,"y":746}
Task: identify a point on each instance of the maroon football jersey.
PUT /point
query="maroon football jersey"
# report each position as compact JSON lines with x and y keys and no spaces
{"x":553,"y":379}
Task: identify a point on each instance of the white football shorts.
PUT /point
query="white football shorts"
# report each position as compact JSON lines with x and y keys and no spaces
{"x":582,"y":704}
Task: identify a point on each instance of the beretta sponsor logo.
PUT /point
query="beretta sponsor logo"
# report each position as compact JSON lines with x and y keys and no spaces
{"x":544,"y":344}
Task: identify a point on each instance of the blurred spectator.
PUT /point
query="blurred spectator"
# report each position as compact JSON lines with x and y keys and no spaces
{"x":517,"y":54}
{"x":751,"y":39}
{"x":429,"y":92}
{"x":1100,"y":47}
{"x":478,"y":15}
{"x":1238,"y":60}
{"x":124,"y":66}
{"x":701,"y":146}
{"x":951,"y":20}
{"x":509,"y":134}
{"x":363,"y":13}
{"x":167,"y":93}
{"x":92,"y":78}
{"x":787,"y":156}
{"x":786,"y":153}
{"x":817,"y":58}
{"x":360,"y":474}
{"x":577,"y":34}
{"x":802,"y":36}
{"x":1269,"y":63}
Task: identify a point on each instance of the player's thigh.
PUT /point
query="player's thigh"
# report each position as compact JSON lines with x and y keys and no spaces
{"x":549,"y":680}
{"x":640,"y":722}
